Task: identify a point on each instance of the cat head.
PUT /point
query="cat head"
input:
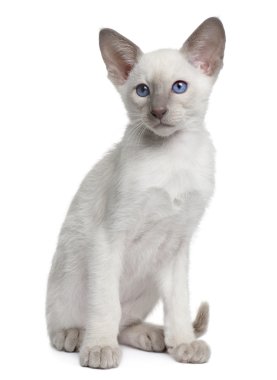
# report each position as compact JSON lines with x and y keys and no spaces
{"x":166,"y":90}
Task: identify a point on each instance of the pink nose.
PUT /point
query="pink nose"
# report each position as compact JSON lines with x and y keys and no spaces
{"x":159,"y":112}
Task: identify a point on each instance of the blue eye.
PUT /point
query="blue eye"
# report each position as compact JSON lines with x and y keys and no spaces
{"x":142,"y":90}
{"x":179,"y":87}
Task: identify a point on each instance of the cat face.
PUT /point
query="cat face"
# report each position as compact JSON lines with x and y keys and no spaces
{"x":166,"y":90}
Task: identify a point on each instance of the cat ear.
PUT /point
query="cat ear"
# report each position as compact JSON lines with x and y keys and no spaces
{"x":205,"y":47}
{"x":119,"y":55}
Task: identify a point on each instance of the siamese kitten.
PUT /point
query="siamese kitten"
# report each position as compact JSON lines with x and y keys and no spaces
{"x":125,"y":240}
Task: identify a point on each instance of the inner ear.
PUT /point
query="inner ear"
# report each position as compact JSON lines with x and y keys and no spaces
{"x":119,"y":54}
{"x":205,"y":47}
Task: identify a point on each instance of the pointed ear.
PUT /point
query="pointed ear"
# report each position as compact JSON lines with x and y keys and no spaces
{"x":119,"y":55}
{"x":205,"y":47}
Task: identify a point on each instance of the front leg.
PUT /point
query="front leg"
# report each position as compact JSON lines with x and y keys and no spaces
{"x":179,"y":334}
{"x":100,"y":347}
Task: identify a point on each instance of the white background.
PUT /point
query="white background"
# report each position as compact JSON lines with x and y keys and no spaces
{"x":59,"y":114}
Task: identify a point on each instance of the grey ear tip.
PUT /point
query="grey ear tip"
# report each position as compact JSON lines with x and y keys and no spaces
{"x":213,"y":18}
{"x":104,"y":32}
{"x":215,"y":21}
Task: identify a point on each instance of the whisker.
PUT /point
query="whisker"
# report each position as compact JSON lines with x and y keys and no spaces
{"x":134,"y":134}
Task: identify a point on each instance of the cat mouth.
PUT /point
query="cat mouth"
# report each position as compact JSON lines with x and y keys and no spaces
{"x":163,"y":129}
{"x":163,"y":125}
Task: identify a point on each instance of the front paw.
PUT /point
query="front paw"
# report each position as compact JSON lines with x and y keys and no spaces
{"x":195,"y":352}
{"x":103,"y":357}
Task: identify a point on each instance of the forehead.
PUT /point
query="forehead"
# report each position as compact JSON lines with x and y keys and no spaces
{"x":163,"y":66}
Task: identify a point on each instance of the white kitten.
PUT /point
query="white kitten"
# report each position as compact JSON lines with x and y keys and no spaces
{"x":125,"y":241}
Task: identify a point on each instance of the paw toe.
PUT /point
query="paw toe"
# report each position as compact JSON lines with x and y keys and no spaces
{"x":157,"y":339}
{"x":110,"y":357}
{"x":94,"y":358}
{"x":58,"y":340}
{"x":71,"y":340}
{"x":144,"y":342}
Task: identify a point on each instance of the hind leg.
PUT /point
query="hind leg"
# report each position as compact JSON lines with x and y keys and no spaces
{"x":65,"y":311}
{"x":65,"y":328}
{"x":65,"y":322}
{"x":149,"y":337}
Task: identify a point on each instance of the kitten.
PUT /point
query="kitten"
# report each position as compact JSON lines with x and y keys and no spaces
{"x":125,"y":240}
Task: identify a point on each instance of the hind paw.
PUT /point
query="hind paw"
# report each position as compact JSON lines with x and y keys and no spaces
{"x":68,"y":340}
{"x":144,"y":336}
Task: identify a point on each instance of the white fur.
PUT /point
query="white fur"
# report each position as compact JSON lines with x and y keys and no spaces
{"x":124,"y":243}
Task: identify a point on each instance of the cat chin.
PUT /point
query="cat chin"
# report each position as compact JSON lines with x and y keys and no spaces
{"x":163,"y":131}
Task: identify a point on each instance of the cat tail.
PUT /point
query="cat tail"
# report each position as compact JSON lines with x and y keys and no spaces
{"x":200,"y":324}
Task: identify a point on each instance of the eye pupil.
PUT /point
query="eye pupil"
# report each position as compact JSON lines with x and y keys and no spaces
{"x":142,"y":90}
{"x":179,"y":87}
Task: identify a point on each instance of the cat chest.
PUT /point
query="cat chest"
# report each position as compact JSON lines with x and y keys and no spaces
{"x":175,"y":180}
{"x":162,"y":193}
{"x":160,"y":211}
